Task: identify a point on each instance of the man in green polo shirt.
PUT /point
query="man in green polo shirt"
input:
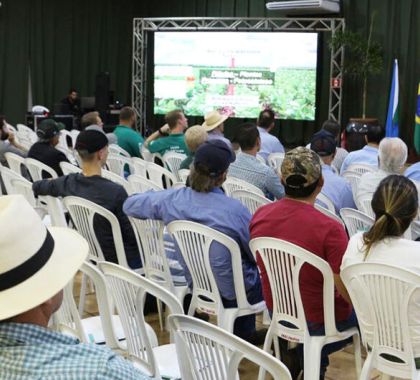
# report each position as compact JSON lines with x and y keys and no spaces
{"x":128,"y":138}
{"x":161,"y":142}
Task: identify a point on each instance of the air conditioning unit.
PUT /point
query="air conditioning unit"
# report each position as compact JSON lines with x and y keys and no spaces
{"x":305,"y":6}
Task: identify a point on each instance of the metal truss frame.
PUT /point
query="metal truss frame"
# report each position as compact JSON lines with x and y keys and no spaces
{"x":141,"y":27}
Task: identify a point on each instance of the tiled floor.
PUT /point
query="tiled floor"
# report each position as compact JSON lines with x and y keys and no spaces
{"x":341,"y":363}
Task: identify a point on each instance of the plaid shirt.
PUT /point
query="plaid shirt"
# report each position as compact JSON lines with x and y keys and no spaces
{"x":33,"y":352}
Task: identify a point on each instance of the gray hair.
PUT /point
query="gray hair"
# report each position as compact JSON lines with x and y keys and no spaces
{"x":392,"y":154}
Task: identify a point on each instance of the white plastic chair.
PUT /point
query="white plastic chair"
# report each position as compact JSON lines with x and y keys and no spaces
{"x":327,"y":202}
{"x":117,"y":164}
{"x":117,"y":179}
{"x":212,"y":353}
{"x":275,"y":160}
{"x":183,"y":174}
{"x":354,"y":179}
{"x":55,"y":209}
{"x":252,"y":201}
{"x":172,"y":161}
{"x":160,"y":176}
{"x":140,"y":166}
{"x":356,"y":221}
{"x":7,"y":176}
{"x":36,"y":168}
{"x":362,"y":168}
{"x":194,"y":241}
{"x":364,"y":204}
{"x":62,"y":140}
{"x":140,"y":184}
{"x":381,"y":295}
{"x":283,"y":262}
{"x":116,"y":149}
{"x":74,"y":133}
{"x":128,"y":291}
{"x":15,"y":162}
{"x":68,"y":168}
{"x":233,"y":183}
{"x":330,"y":214}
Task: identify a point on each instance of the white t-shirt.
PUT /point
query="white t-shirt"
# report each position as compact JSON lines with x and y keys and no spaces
{"x":401,"y":253}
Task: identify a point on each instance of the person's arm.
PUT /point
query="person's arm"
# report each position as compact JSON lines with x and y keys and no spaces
{"x":273,"y":185}
{"x":161,"y":132}
{"x":19,"y":149}
{"x":53,"y":187}
{"x":149,"y":205}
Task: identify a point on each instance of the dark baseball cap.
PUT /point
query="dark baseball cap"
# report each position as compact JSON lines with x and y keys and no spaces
{"x":91,"y":140}
{"x":215,"y":155}
{"x":323,"y":143}
{"x":49,"y":128}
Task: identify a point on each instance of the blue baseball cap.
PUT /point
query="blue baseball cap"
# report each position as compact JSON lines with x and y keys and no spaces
{"x":323,"y":143}
{"x":215,"y":155}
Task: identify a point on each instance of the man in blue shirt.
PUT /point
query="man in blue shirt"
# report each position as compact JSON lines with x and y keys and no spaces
{"x":269,"y":143}
{"x":33,"y":272}
{"x":369,"y":153}
{"x":248,"y":168}
{"x":413,"y":172}
{"x":335,"y":188}
{"x":206,"y":203}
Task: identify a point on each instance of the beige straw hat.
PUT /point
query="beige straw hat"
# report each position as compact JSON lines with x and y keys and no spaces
{"x":213,"y":119}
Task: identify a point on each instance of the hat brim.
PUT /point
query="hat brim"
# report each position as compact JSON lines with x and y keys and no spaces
{"x":210,"y":127}
{"x":60,"y":126}
{"x":70,"y":251}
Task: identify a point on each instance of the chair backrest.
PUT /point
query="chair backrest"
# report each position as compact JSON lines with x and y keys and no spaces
{"x":362,"y":168}
{"x":353,"y":178}
{"x":15,"y":162}
{"x":206,"y":351}
{"x":83,"y":213}
{"x":330,"y":214}
{"x":116,"y":149}
{"x":172,"y":162}
{"x":155,"y":263}
{"x":183,"y":174}
{"x":194,"y":241}
{"x":117,"y":163}
{"x":62,"y":140}
{"x":140,"y":184}
{"x":326,"y":202}
{"x":356,"y":221}
{"x":36,"y":168}
{"x":415,"y":230}
{"x":140,"y":166}
{"x":74,"y":133}
{"x":364,"y":203}
{"x":128,"y":290}
{"x":7,"y":176}
{"x":24,"y":187}
{"x":233,"y":183}
{"x":117,"y":179}
{"x":381,"y":295}
{"x":55,"y":210}
{"x":275,"y":160}
{"x":68,"y":168}
{"x":283,"y":262}
{"x":160,"y":176}
{"x":252,"y":201}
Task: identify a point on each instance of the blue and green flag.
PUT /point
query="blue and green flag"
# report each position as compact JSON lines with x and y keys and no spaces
{"x":417,"y":127}
{"x":392,"y":120}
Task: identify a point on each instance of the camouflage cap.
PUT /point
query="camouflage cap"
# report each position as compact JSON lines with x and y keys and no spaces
{"x":301,"y":168}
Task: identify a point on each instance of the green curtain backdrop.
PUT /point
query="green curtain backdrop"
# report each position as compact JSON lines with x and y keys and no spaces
{"x":68,"y":42}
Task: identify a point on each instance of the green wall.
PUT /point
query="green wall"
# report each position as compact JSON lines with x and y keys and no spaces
{"x":69,"y":42}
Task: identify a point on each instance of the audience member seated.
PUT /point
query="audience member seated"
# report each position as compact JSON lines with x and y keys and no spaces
{"x":169,"y":138}
{"x":248,"y":168}
{"x":44,"y":150}
{"x":92,"y":147}
{"x":392,"y":157}
{"x":31,"y":290}
{"x":295,"y":219}
{"x":413,"y":172}
{"x":269,"y":143}
{"x":204,"y":202}
{"x":71,"y":104}
{"x":336,"y":188}
{"x":194,"y":137}
{"x":214,"y":126}
{"x":8,"y":143}
{"x":395,"y":204}
{"x":340,"y":154}
{"x":92,"y":120}
{"x":368,"y":155}
{"x":128,"y":138}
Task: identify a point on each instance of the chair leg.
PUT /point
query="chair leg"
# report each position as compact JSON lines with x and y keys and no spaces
{"x":311,"y":360}
{"x":366,"y":369}
{"x":82,"y":296}
{"x":226,"y":320}
{"x":269,"y":339}
{"x":266,"y":318}
{"x":357,"y":354}
{"x":160,"y":311}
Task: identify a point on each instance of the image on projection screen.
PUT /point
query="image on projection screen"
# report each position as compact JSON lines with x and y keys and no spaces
{"x":239,"y":73}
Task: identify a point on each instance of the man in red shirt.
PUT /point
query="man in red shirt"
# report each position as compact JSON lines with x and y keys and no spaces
{"x":295,"y":220}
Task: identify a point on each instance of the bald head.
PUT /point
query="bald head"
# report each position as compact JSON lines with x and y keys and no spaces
{"x":392,"y":154}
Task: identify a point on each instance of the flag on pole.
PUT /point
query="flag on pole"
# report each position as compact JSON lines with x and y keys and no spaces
{"x":417,"y":127}
{"x":392,"y":120}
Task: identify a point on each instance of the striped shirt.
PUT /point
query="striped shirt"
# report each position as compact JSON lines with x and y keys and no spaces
{"x":33,"y":352}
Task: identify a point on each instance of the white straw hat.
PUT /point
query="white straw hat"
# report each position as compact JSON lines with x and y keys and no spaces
{"x":213,"y":119}
{"x":35,"y":262}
